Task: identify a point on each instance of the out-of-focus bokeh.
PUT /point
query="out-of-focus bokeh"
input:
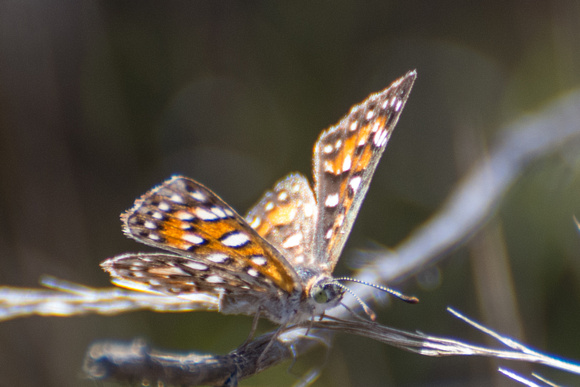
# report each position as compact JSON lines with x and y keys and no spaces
{"x":100,"y":101}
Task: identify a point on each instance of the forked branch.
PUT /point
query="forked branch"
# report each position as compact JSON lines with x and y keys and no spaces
{"x":136,"y":362}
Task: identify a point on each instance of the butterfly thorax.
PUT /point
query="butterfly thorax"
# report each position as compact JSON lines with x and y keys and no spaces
{"x":320,"y":291}
{"x":319,"y":294}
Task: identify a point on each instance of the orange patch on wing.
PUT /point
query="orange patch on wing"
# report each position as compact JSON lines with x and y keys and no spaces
{"x":211,"y":232}
{"x":351,"y":143}
{"x":274,"y":269}
{"x":264,"y":229}
{"x":278,"y":216}
{"x":282,"y":215}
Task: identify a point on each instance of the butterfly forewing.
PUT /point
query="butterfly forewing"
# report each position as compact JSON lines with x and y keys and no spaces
{"x":345,"y":158}
{"x":214,"y":244}
{"x":286,"y":217}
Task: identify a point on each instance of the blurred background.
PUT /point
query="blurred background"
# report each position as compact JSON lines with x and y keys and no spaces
{"x":101,"y":100}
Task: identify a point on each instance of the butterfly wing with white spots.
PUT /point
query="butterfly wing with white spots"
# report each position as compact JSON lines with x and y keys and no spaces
{"x":216,"y":249}
{"x":286,"y":217}
{"x":345,"y":158}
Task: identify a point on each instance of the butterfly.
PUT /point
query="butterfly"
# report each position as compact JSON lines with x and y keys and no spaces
{"x":276,"y":262}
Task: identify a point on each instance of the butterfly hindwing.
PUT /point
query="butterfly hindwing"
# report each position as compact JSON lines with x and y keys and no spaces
{"x":286,"y":217}
{"x":174,"y":274}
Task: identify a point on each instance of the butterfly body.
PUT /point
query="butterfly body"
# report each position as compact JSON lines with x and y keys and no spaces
{"x":278,"y":260}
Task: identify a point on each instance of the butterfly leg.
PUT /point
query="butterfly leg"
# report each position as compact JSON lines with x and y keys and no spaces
{"x":313,"y":373}
{"x":312,"y":322}
{"x":269,"y":345}
{"x":254,"y":327}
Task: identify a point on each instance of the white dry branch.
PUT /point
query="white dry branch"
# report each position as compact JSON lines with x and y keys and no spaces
{"x":518,"y":378}
{"x":64,"y":298}
{"x":466,"y":209}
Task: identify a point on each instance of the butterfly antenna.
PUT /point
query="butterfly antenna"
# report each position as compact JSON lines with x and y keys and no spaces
{"x":369,"y":312}
{"x":399,"y":295}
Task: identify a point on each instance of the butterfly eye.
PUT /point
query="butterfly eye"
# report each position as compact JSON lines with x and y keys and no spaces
{"x":324,"y":292}
{"x":319,"y":294}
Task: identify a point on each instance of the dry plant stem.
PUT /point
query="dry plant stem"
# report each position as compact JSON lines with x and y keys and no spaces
{"x":135,"y":362}
{"x":71,"y":299}
{"x":541,"y":378}
{"x":518,"y":378}
{"x":526,"y":381}
{"x":437,"y":346}
{"x":122,"y":362}
{"x":526,"y":353}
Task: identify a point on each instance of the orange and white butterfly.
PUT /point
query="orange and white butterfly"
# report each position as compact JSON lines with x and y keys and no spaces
{"x":279,"y":260}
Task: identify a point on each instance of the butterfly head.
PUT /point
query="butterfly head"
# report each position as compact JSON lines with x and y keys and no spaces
{"x":325,"y":293}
